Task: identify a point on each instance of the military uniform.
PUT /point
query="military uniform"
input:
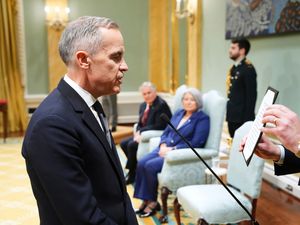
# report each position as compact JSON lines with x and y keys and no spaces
{"x":241,"y":93}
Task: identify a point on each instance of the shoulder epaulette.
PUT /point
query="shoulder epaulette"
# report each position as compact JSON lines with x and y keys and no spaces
{"x":248,"y":63}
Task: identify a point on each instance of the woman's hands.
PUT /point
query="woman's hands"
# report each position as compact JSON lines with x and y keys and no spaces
{"x":163,"y":150}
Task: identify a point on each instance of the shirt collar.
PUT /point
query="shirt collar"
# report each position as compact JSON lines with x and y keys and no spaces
{"x":236,"y":63}
{"x":85,"y":95}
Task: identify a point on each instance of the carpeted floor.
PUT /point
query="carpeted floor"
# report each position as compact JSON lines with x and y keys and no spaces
{"x":185,"y":219}
{"x":17,"y":204}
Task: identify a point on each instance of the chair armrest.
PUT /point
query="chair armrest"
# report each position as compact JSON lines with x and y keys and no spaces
{"x":147,"y":144}
{"x":148,"y":134}
{"x":182,"y":167}
{"x":135,"y":127}
{"x":153,"y":143}
{"x":186,"y":155}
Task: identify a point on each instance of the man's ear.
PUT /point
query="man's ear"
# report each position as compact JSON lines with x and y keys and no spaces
{"x":82,"y":59}
{"x":243,"y":51}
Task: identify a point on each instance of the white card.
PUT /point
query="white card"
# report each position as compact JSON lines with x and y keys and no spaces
{"x":255,"y":131}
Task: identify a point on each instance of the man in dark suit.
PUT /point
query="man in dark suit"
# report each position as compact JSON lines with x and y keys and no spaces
{"x":286,"y":128}
{"x":149,"y":119}
{"x":74,"y":169}
{"x":241,"y":86}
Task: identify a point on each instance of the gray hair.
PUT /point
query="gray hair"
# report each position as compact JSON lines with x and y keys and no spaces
{"x":147,"y":84}
{"x":196,"y":95}
{"x":83,"y":34}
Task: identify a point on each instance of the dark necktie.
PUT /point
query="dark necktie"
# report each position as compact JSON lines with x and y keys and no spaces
{"x":145,"y":116}
{"x":98,"y":108}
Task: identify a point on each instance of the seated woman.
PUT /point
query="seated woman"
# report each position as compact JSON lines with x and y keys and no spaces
{"x":193,"y":124}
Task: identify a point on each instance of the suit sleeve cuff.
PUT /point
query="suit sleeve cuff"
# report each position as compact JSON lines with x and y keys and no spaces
{"x":282,"y":155}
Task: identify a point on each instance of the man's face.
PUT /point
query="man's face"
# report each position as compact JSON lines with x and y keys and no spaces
{"x":149,"y":95}
{"x":234,"y":51}
{"x":107,"y":67}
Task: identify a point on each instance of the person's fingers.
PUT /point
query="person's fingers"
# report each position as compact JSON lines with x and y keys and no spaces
{"x":242,"y":144}
{"x":279,"y":111}
{"x":274,"y":113}
{"x":275,"y":121}
{"x":259,"y":153}
{"x":279,"y":108}
{"x":270,"y":119}
{"x":270,"y":131}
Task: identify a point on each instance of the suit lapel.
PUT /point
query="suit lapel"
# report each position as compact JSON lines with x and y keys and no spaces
{"x":152,"y":110}
{"x":178,"y":118}
{"x":92,"y":123}
{"x":189,"y":121}
{"x":89,"y":119}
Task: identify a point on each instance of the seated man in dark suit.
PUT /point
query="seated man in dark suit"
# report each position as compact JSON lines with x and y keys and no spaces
{"x":286,"y":129}
{"x":149,"y":119}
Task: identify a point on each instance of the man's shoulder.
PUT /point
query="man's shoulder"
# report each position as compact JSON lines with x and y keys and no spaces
{"x":53,"y":104}
{"x":247,"y":64}
{"x":246,"y":68}
{"x":159,"y":101}
{"x":143,"y":105}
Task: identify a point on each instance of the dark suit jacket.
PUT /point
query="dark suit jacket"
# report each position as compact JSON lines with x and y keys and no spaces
{"x":242,"y":93}
{"x":76,"y":177}
{"x":290,"y":165}
{"x":195,"y":130}
{"x":154,"y":121}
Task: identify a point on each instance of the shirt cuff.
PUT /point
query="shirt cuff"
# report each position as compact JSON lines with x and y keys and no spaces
{"x":282,"y":155}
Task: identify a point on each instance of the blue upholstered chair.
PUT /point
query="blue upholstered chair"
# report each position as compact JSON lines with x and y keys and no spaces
{"x":143,"y":147}
{"x":211,"y":203}
{"x":182,"y":167}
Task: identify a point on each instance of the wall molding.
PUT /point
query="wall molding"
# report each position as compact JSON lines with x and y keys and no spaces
{"x":128,"y":104}
{"x":287,"y":183}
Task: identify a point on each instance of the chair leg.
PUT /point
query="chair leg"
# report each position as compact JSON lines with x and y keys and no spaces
{"x":177,"y":206}
{"x":5,"y":123}
{"x":254,"y":204}
{"x":164,"y":197}
{"x":3,"y":110}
